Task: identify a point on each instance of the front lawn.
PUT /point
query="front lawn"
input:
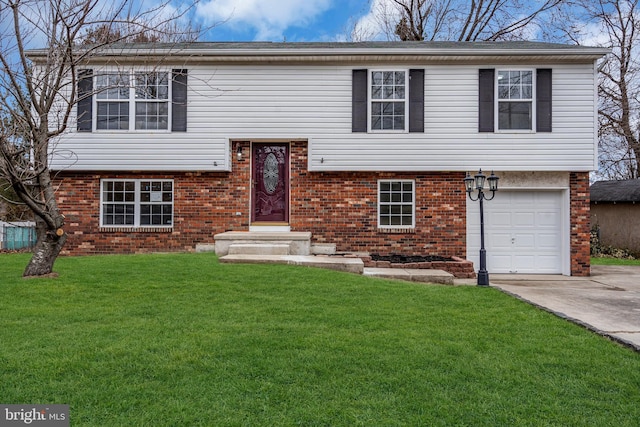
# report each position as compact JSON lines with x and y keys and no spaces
{"x":181,"y":340}
{"x":613,"y":261}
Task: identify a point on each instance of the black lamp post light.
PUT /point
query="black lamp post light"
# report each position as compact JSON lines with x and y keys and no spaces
{"x":476,"y":183}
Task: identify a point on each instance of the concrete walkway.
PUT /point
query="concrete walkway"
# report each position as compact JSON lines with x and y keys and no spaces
{"x":608,"y":302}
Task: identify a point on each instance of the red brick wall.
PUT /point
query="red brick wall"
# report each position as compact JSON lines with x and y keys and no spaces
{"x":204,"y":204}
{"x":341,"y":208}
{"x":580,"y":224}
{"x":337,"y":208}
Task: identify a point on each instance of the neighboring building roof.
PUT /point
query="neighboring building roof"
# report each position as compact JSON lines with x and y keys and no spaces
{"x":409,"y":50}
{"x":627,"y":191}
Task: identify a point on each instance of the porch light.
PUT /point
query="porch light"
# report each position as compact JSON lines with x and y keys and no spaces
{"x":479,"y":180}
{"x":239,"y":152}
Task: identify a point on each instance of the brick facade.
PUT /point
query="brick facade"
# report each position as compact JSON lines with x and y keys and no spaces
{"x":336,"y":207}
{"x":341,"y":208}
{"x":580,"y":224}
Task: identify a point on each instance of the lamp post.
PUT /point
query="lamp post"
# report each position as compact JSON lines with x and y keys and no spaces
{"x":476,"y":183}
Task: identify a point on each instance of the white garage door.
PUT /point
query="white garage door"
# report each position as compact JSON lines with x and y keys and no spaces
{"x":523,"y":232}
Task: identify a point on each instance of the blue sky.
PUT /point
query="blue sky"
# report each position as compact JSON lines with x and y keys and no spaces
{"x":279,"y":20}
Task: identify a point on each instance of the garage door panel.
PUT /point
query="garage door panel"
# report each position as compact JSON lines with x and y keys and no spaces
{"x":547,"y":219}
{"x":498,"y":262}
{"x":523,"y":241}
{"x":523,"y":219}
{"x":523,"y":197}
{"x":548,"y":264}
{"x":522,"y":263}
{"x":498,"y":219}
{"x":523,"y":232}
{"x":499,"y":241}
{"x":548,"y":241}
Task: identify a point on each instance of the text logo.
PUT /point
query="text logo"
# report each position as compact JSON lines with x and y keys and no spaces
{"x":34,"y":415}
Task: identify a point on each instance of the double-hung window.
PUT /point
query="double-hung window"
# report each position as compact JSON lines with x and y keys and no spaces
{"x":146,"y":94}
{"x":388,"y":98}
{"x":136,"y":203}
{"x":515,"y":93}
{"x":112,"y":101}
{"x":396,"y":204}
{"x":152,"y":100}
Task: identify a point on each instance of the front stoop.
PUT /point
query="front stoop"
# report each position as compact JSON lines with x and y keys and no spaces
{"x":260,"y":248}
{"x":262,"y":242}
{"x":349,"y":265}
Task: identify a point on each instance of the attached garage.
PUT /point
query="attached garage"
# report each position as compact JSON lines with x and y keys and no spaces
{"x":526,"y":231}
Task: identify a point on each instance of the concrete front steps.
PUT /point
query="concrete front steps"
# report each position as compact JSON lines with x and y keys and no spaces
{"x":262,"y":243}
{"x":349,"y":265}
{"x":295,"y":248}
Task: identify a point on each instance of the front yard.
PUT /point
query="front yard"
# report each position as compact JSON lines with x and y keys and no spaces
{"x":179,"y":339}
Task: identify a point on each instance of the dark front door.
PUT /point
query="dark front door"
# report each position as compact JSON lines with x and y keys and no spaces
{"x":270,"y":179}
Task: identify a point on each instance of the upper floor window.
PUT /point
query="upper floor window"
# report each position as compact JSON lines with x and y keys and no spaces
{"x":152,"y":100}
{"x":388,"y":100}
{"x":147,"y":93}
{"x":112,"y":101}
{"x":515,"y":95}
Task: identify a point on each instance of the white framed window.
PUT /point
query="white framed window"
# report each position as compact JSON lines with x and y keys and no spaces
{"x":152,"y":100}
{"x":388,"y":100}
{"x":145,"y":94}
{"x":396,"y":203}
{"x":112,"y":101}
{"x":136,"y":203}
{"x":515,"y":91}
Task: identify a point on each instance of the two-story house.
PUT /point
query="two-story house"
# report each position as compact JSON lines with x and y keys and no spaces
{"x":365,"y":145}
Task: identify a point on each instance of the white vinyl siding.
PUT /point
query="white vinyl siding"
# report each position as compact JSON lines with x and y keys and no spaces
{"x":313,"y":103}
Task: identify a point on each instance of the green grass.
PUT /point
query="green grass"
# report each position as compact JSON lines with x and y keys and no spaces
{"x":180,"y":340}
{"x":614,"y":261}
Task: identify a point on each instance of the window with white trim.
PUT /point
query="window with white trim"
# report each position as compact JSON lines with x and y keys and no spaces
{"x":136,"y":203}
{"x":146,"y":93}
{"x":152,"y":100}
{"x":396,"y":204}
{"x":388,"y":100}
{"x":112,"y":101}
{"x":515,"y":92}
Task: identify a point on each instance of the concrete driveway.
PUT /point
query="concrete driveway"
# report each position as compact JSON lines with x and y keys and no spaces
{"x":608,"y":302}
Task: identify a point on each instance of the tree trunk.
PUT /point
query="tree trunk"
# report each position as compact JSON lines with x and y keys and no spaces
{"x":46,"y":250}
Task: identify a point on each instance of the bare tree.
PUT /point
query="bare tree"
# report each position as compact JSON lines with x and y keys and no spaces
{"x":461,"y":20}
{"x":614,"y":24}
{"x":36,"y":102}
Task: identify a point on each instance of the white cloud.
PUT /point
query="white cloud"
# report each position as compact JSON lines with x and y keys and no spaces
{"x":269,"y":18}
{"x":371,"y":26}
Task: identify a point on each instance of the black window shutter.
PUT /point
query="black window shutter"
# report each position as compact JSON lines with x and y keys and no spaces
{"x":359,"y":101}
{"x":416,"y":100}
{"x":179,"y":101}
{"x":486,"y":100}
{"x":543,"y":100}
{"x":84,"y":107}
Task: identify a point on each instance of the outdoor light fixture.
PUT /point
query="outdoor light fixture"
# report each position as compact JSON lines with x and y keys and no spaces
{"x":476,"y":183}
{"x":239,"y":152}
